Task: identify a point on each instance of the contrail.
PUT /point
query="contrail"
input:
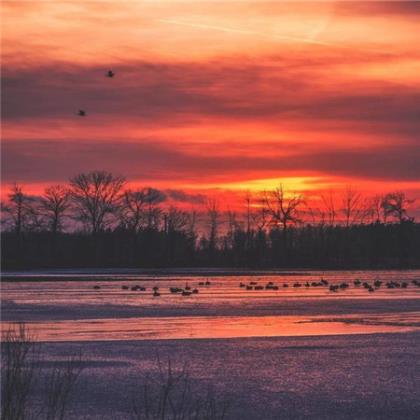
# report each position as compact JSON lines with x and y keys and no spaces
{"x":242,"y":31}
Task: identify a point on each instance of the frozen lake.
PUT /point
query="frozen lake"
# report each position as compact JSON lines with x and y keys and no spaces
{"x":104,"y":307}
{"x":295,"y":352}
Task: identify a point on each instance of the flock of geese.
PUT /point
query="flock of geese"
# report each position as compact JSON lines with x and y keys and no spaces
{"x":332,"y":287}
{"x":188,"y":290}
{"x":82,"y":112}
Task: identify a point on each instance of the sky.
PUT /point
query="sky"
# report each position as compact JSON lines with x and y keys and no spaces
{"x":213,"y":97}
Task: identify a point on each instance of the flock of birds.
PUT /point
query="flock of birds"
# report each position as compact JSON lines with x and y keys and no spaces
{"x":332,"y":287}
{"x":187,"y":290}
{"x":82,"y":112}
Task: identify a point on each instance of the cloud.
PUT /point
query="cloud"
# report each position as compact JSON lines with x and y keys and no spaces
{"x":187,"y":100}
{"x":145,"y":91}
{"x":184,"y":197}
{"x":148,"y":162}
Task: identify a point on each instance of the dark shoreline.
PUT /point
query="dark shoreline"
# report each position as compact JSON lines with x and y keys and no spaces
{"x":101,"y":274}
{"x":95,"y":275}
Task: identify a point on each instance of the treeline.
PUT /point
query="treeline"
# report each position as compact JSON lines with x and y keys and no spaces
{"x":95,"y":221}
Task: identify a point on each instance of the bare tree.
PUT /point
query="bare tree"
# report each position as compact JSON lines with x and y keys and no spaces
{"x":133,"y":209}
{"x":233,"y":226}
{"x":96,"y":195}
{"x":376,"y":209}
{"x":329,"y":204}
{"x":191,"y":227}
{"x":54,"y":204}
{"x":19,"y":214}
{"x":213,"y":215}
{"x":260,"y":214}
{"x":176,"y":220}
{"x":284,"y":211}
{"x":248,"y":206}
{"x":153,"y":198}
{"x":250,"y":219}
{"x":395,"y":205}
{"x":314,"y":215}
{"x":352,"y":208}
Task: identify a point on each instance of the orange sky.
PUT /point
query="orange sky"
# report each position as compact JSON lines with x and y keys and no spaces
{"x":217,"y":95}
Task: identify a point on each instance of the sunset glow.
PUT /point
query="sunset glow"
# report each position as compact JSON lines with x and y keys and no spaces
{"x":214,"y":96}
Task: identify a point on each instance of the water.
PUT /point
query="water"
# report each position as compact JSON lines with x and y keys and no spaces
{"x":72,"y":310}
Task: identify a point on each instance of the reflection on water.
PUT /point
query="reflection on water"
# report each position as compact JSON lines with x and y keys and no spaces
{"x":218,"y":327}
{"x":91,"y":292}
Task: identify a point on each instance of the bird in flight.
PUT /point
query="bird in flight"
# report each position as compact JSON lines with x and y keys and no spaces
{"x":110,"y":73}
{"x":81,"y":113}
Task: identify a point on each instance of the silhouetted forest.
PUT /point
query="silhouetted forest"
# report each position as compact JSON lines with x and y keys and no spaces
{"x":95,"y":221}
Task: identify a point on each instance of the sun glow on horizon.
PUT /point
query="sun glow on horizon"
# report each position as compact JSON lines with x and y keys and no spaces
{"x":213,"y":96}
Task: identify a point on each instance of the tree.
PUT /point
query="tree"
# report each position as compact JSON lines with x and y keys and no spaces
{"x":95,"y":196}
{"x":260,"y":215}
{"x":376,"y":209}
{"x":176,"y":220}
{"x":395,"y":205}
{"x":20,"y":211}
{"x":153,"y":198}
{"x":54,"y":204}
{"x":352,"y":208}
{"x":213,"y":215}
{"x":283,"y":210}
{"x":133,"y":210}
{"x":328,"y":201}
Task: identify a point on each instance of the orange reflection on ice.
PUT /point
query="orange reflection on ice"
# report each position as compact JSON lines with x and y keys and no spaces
{"x":203,"y":327}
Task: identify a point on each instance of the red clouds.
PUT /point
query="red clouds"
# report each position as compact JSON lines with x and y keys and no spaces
{"x":213,"y":95}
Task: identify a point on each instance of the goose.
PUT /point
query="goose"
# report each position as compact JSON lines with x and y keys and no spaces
{"x":81,"y":113}
{"x":110,"y":73}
